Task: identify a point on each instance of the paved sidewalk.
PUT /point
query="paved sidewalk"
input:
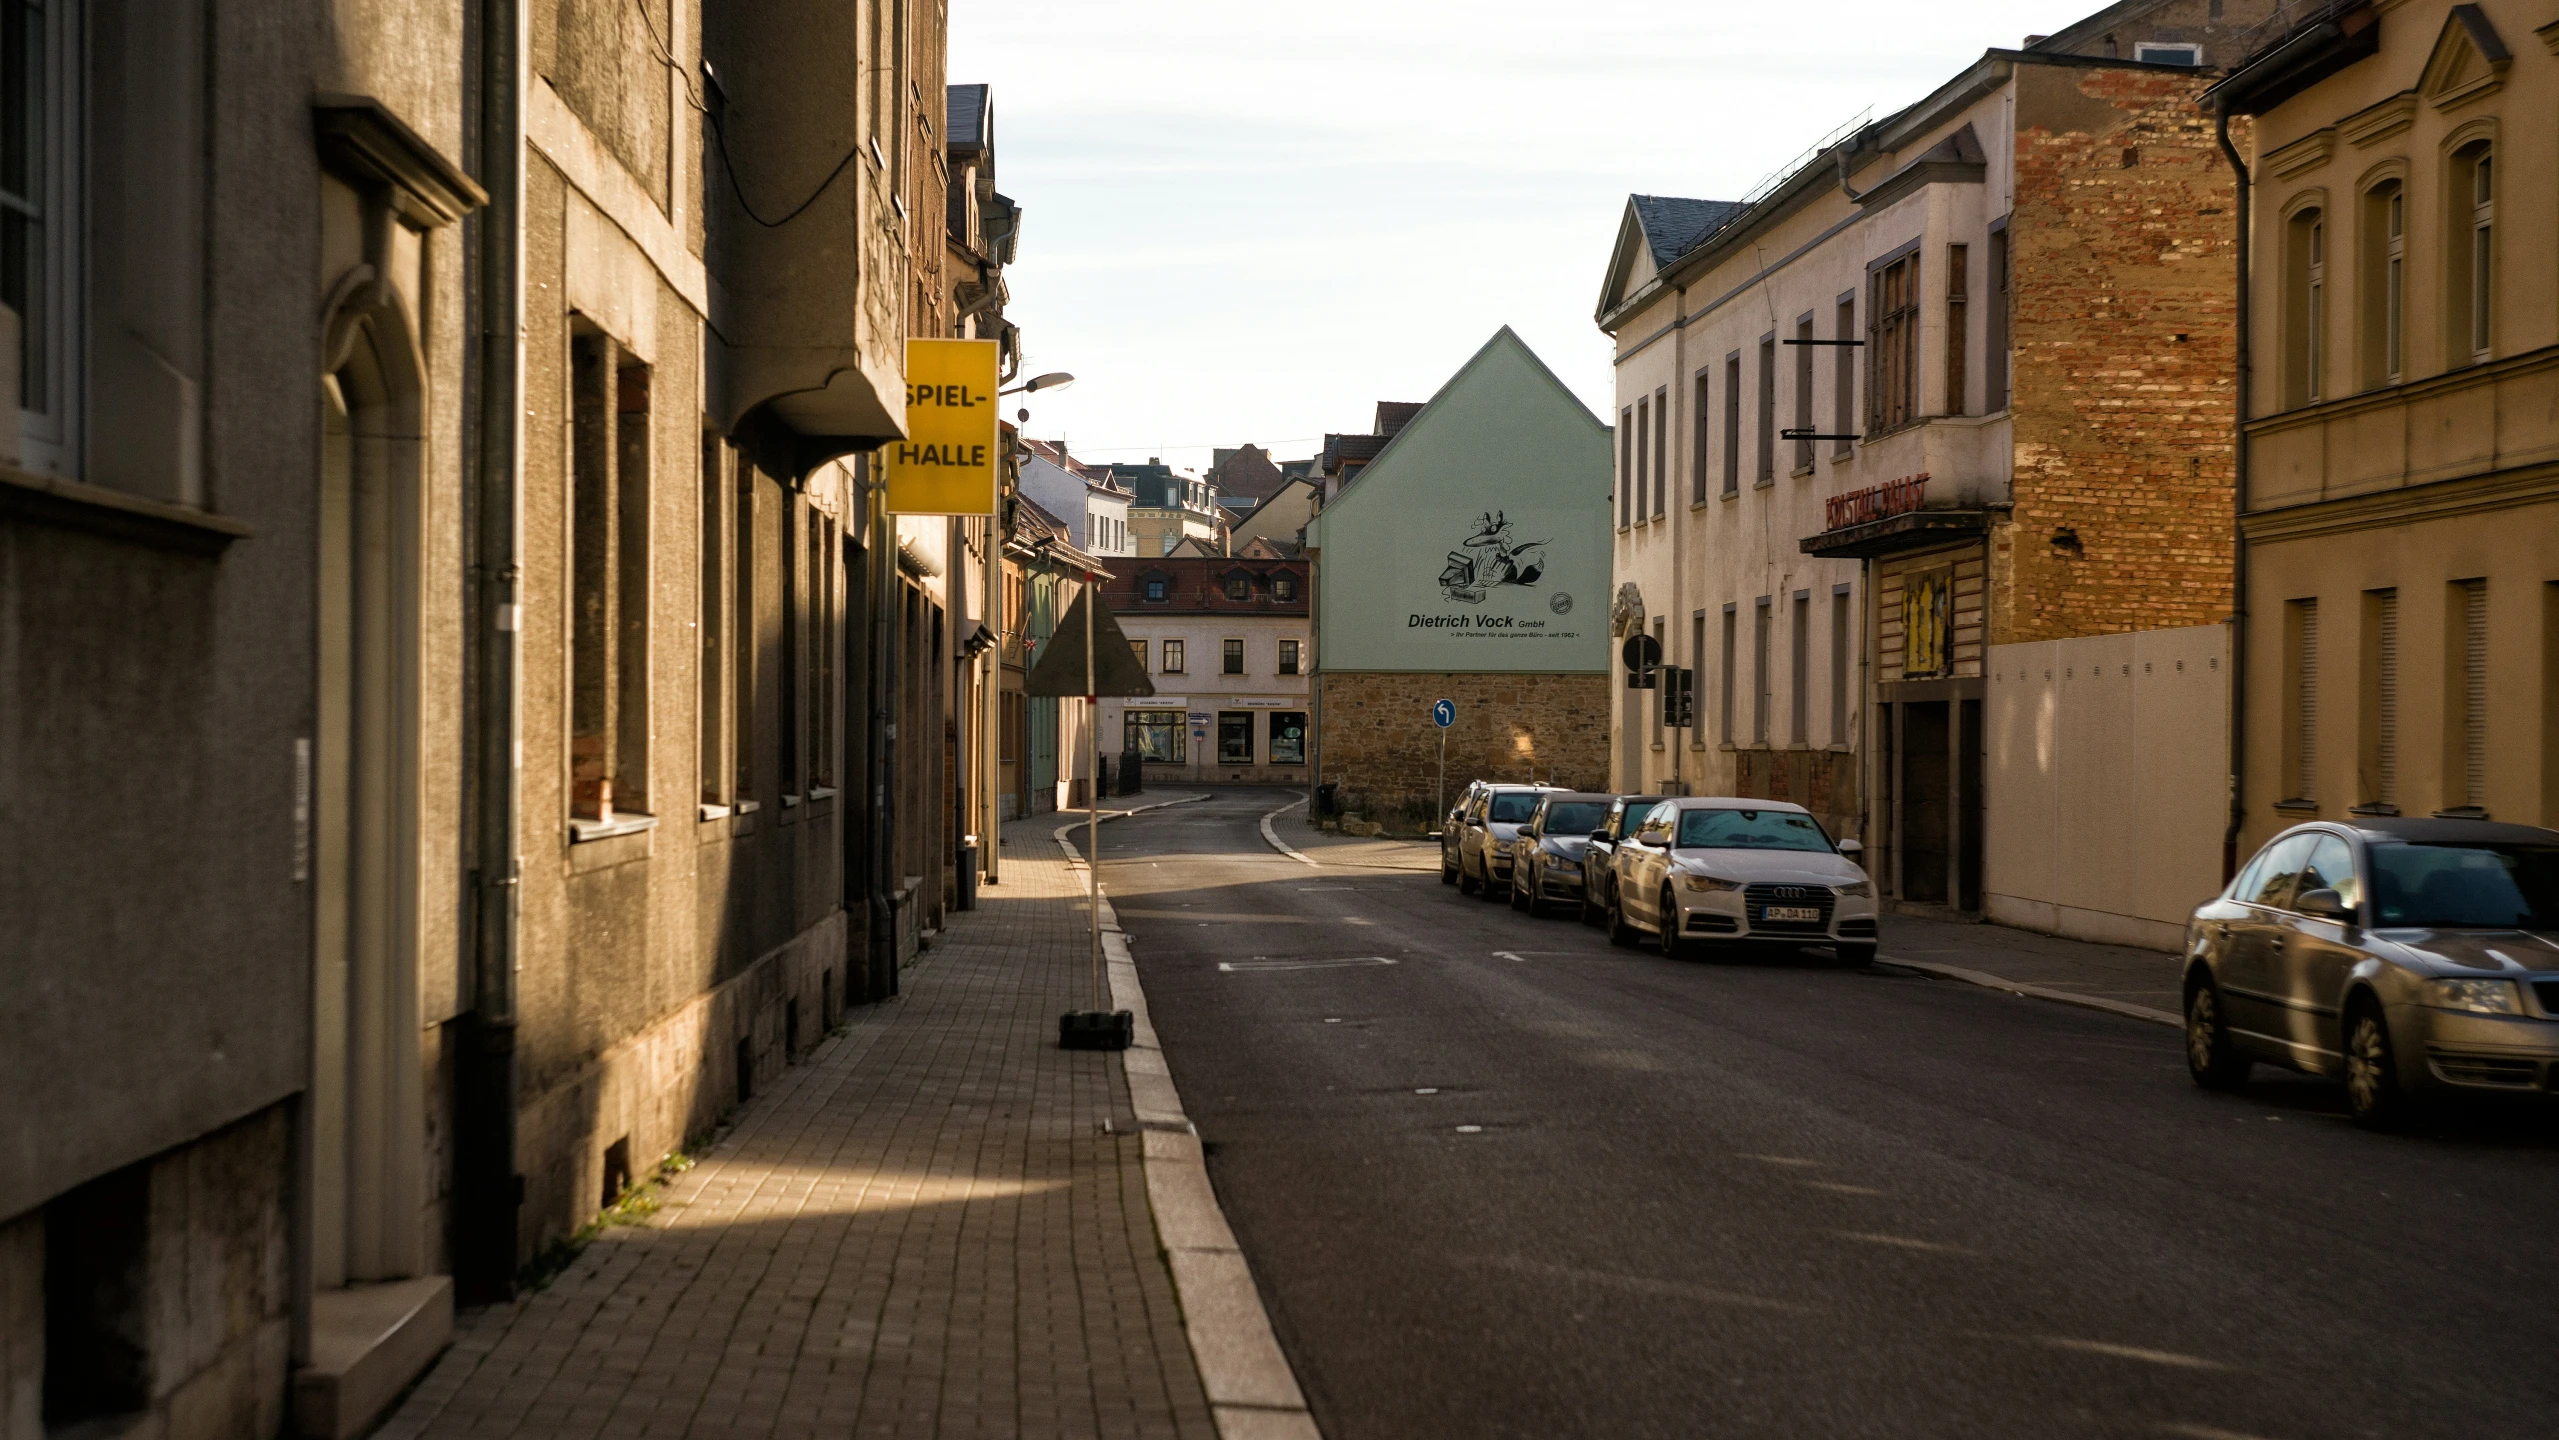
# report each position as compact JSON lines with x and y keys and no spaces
{"x":2108,"y":977}
{"x":923,"y":1230}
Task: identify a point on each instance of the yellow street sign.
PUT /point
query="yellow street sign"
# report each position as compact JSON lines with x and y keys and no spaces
{"x":946,"y":465}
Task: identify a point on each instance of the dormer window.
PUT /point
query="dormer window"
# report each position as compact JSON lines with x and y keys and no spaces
{"x":1157,"y":588}
{"x":1239,"y":586}
{"x":1283,"y":587}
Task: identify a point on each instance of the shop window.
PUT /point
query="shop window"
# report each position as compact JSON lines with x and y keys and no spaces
{"x":1234,"y":737}
{"x":1155,"y":735}
{"x":1288,"y":737}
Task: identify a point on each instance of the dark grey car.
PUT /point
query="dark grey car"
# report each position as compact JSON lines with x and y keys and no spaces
{"x":2402,"y":956}
{"x":1546,"y":854}
{"x":1599,"y":865}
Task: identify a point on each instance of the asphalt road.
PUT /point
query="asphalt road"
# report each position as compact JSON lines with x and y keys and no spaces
{"x":1520,"y":1183}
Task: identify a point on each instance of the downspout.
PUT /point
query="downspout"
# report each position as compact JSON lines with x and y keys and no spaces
{"x":488,"y":1192}
{"x":880,"y":976}
{"x":2238,"y":511}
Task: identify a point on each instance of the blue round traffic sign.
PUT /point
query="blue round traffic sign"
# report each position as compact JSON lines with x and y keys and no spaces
{"x":1444,"y":713}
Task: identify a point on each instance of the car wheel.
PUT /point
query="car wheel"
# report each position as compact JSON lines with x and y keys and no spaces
{"x":1465,"y":882}
{"x":1619,"y":932}
{"x":1488,"y":892}
{"x":2211,"y":1059}
{"x":1855,"y":954}
{"x":1667,"y":932}
{"x":2372,"y":1068}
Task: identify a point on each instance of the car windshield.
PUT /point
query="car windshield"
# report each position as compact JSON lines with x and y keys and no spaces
{"x":1514,"y":807}
{"x":1634,"y":815}
{"x":1580,"y":818}
{"x":2494,"y":887}
{"x":1750,"y":830}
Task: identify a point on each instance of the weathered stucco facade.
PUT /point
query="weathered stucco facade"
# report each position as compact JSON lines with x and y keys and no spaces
{"x":1962,"y":380}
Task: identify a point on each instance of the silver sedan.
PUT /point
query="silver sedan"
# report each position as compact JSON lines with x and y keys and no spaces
{"x":2401,"y":956}
{"x":1733,"y":871}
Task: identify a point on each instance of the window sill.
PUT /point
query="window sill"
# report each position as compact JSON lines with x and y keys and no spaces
{"x":2375,"y":809}
{"x":790,"y":802}
{"x":821,"y":792}
{"x":2298,"y":806}
{"x":1768,"y":484}
{"x":748,"y":807}
{"x":714,"y":812}
{"x":75,"y":505}
{"x":1799,"y":472}
{"x":1842,"y":457}
{"x":584,"y":831}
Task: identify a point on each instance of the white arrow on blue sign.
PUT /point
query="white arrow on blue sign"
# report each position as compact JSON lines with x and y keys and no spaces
{"x":1444,"y":713}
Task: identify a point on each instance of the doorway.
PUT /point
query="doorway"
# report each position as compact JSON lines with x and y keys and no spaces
{"x":367,"y":1094}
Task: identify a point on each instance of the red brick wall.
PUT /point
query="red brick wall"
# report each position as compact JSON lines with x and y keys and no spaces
{"x":2125,"y":359}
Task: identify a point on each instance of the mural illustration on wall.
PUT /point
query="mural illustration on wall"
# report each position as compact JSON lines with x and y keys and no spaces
{"x":1928,"y":623}
{"x":1497,"y":559}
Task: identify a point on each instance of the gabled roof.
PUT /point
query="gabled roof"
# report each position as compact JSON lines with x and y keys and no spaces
{"x":1655,"y":232}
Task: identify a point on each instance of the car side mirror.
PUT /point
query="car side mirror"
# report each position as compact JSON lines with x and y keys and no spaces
{"x":1528,"y":832}
{"x":1851,"y":847}
{"x":2324,"y":904}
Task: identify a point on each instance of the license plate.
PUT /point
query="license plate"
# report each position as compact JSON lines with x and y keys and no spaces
{"x":1790,"y":912}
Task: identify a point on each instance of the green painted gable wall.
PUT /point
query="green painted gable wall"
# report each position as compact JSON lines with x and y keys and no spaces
{"x":1411,"y":576}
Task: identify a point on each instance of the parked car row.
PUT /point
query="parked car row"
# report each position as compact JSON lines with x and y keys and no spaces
{"x":1687,"y":871}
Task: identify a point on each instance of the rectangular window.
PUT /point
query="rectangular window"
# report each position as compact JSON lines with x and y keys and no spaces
{"x":1231,"y":661}
{"x":1234,"y":737}
{"x":1643,"y":459}
{"x":1661,"y":451}
{"x":1759,"y":679}
{"x":2301,"y":699}
{"x":1892,"y":341}
{"x":2382,"y":278}
{"x":1697,"y":453}
{"x":1288,"y":657}
{"x":1725,"y":706}
{"x":1800,"y":679}
{"x":1696,"y":670}
{"x":1625,"y":467}
{"x":1804,"y":348}
{"x":1995,"y":326}
{"x":1767,"y":408}
{"x":1172,"y":656}
{"x":1839,"y":665}
{"x":712,"y":599}
{"x":2483,"y":219}
{"x":1154,"y":734}
{"x":1843,"y":375}
{"x":2466,"y":700}
{"x":610,"y":584}
{"x":1288,"y":737}
{"x":2378,"y":733}
{"x":1958,"y":280}
{"x":1733,"y":423}
{"x":41,"y":71}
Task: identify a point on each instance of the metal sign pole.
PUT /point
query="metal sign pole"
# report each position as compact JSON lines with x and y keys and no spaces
{"x":1443,"y":771}
{"x":1093,"y":785}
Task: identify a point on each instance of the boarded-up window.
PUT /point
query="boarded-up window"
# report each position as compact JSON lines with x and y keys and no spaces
{"x":1892,"y":386}
{"x":2379,"y":740}
{"x":2466,"y":766}
{"x":2301,"y":699}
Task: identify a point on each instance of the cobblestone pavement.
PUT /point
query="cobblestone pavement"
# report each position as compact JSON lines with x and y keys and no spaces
{"x":923,"y":1230}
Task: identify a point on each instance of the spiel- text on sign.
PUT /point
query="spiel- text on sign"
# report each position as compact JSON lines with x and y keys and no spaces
{"x":946,"y":465}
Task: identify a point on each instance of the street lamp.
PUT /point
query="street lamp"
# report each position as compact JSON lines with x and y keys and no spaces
{"x":1054,"y":380}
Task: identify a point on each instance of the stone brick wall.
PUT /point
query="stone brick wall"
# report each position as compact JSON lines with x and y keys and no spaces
{"x":2126,"y":356}
{"x":1375,"y":739}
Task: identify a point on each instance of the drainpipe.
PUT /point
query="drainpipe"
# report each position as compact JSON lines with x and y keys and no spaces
{"x":880,"y":976}
{"x":2238,"y":511}
{"x":488,"y":1192}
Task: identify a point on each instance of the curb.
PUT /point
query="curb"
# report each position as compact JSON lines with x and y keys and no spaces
{"x":1989,"y":981}
{"x":1252,"y":1392}
{"x":1280,"y":845}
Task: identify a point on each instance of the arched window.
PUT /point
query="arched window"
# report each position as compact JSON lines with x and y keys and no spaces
{"x":2471,"y":312}
{"x":2305,"y":304}
{"x":2384,"y":283}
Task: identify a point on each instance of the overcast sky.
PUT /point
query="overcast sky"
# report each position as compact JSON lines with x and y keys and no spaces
{"x":1251,"y":221}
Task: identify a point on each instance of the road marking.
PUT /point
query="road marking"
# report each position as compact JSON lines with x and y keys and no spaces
{"x":2146,"y":1355}
{"x":1901,"y":1242}
{"x":1234,"y":967}
{"x":1511,"y":955}
{"x":1775,"y":1159}
{"x":1470,"y":1129}
{"x":1638,"y":1284}
{"x":1277,"y":843}
{"x":1836,"y":1188}
{"x":1427,"y":1090}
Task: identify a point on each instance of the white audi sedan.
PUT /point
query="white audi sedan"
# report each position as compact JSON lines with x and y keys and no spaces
{"x":1734,"y":871}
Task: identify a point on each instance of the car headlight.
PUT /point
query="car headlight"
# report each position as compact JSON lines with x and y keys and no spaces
{"x":2477,"y":997}
{"x":1862,"y":890}
{"x":1564,"y":865}
{"x":1709,"y":882}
